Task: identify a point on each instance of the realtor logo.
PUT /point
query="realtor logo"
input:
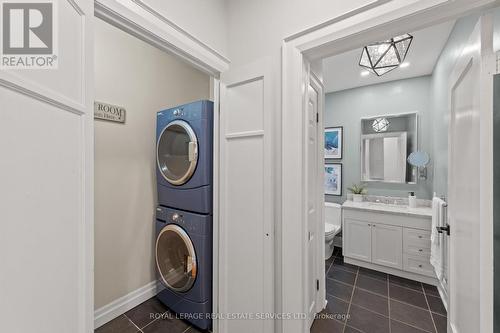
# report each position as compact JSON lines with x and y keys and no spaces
{"x":28,"y":35}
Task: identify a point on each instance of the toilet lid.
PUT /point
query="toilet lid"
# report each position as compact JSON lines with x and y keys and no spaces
{"x":331,"y":228}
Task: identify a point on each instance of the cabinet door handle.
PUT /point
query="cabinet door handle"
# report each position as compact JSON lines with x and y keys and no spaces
{"x":420,"y":266}
{"x":419,"y":236}
{"x":420,"y":250}
{"x":369,"y":224}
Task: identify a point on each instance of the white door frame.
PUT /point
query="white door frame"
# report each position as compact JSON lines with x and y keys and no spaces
{"x":376,"y":20}
{"x":144,"y":22}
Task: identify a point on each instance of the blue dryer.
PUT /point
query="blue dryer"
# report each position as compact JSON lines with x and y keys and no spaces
{"x":184,"y":263}
{"x":184,"y":156}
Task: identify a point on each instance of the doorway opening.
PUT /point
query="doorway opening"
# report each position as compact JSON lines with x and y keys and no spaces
{"x":392,"y":148}
{"x":140,"y":79}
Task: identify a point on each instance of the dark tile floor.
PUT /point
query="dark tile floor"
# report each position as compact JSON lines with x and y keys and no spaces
{"x":362,"y":300}
{"x":359,"y":300}
{"x":149,"y":317}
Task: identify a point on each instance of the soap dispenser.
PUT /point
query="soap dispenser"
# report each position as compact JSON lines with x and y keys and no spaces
{"x":412,"y":200}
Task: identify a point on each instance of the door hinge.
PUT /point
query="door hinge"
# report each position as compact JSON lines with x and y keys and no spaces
{"x":317,"y":117}
{"x":317,"y":284}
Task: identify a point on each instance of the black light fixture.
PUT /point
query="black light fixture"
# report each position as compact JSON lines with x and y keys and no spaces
{"x":382,"y":57}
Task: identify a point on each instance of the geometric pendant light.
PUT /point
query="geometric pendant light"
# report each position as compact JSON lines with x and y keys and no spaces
{"x":382,"y":57}
{"x":380,"y":124}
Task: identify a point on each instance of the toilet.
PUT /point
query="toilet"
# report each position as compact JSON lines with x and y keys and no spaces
{"x":333,"y":223}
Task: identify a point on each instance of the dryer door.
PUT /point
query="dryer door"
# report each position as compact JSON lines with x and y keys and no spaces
{"x":176,"y":258}
{"x":177,"y":152}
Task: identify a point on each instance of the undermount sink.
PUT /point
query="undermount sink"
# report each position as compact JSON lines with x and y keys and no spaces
{"x":387,"y":204}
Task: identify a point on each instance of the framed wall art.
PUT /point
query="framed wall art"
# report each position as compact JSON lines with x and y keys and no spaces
{"x":333,"y":179}
{"x":334,"y":141}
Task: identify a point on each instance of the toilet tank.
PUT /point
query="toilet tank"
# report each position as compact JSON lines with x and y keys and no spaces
{"x":333,"y":213}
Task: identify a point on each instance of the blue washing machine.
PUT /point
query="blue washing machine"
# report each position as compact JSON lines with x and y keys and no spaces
{"x":184,"y":263}
{"x":184,"y":155}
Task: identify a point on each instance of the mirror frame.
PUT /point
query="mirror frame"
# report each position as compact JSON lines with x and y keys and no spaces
{"x":417,"y":145}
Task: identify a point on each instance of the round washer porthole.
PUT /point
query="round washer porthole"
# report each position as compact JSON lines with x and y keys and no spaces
{"x":177,"y":152}
{"x":176,"y":258}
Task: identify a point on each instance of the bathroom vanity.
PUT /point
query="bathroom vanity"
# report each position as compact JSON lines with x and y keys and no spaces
{"x":394,"y":239}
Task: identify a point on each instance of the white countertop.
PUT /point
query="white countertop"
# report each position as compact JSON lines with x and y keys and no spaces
{"x":388,"y":208}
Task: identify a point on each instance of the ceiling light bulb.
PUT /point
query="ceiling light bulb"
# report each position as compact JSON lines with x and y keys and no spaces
{"x":365,"y":73}
{"x":404,"y":64}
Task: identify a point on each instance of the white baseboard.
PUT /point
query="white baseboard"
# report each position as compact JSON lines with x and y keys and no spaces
{"x":121,"y":305}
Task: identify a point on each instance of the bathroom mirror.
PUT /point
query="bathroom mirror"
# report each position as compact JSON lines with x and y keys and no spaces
{"x":386,"y":143}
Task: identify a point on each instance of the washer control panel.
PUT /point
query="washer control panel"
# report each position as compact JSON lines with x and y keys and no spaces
{"x":191,"y":222}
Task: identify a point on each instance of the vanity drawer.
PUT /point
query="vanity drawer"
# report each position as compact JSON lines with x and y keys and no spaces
{"x":419,"y":265}
{"x":417,"y":237}
{"x":423,"y":251}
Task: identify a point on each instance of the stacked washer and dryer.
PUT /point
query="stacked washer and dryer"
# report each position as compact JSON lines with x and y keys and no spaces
{"x":184,"y":213}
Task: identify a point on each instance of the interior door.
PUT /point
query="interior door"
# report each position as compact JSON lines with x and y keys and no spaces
{"x":464,"y":190}
{"x":46,"y":177}
{"x":246,"y":222}
{"x":312,"y":200}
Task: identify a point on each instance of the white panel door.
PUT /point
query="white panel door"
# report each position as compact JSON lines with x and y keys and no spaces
{"x":464,"y":184}
{"x":313,"y":213}
{"x":246,"y":256}
{"x":358,"y":239}
{"x":387,"y":245}
{"x":46,"y":191}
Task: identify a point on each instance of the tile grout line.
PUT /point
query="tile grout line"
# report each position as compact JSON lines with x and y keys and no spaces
{"x":163,"y":313}
{"x":150,"y":323}
{"x":357,"y":273}
{"x":130,"y":320}
{"x":430,"y":312}
{"x":389,"y":302}
{"x":411,"y":325}
{"x":350,"y":300}
{"x":330,"y":266}
{"x":385,"y":316}
{"x":381,"y":295}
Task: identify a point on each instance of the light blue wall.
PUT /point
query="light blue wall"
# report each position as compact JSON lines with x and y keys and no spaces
{"x":439,"y":101}
{"x":346,"y":108}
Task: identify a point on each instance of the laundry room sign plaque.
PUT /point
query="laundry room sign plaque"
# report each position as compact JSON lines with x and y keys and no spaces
{"x":109,"y":112}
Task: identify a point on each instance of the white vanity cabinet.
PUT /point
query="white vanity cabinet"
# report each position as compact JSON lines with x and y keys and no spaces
{"x":373,"y":242}
{"x":359,"y":245}
{"x":388,"y":241}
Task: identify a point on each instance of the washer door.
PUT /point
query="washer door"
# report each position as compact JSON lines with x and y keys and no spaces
{"x":177,"y":152}
{"x":176,"y":258}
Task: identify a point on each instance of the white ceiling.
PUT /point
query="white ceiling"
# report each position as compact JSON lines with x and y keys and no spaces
{"x":343,"y":72}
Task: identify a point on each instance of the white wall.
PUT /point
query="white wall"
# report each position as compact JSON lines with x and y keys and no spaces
{"x":204,"y":19}
{"x":144,"y":80}
{"x":257,"y":27}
